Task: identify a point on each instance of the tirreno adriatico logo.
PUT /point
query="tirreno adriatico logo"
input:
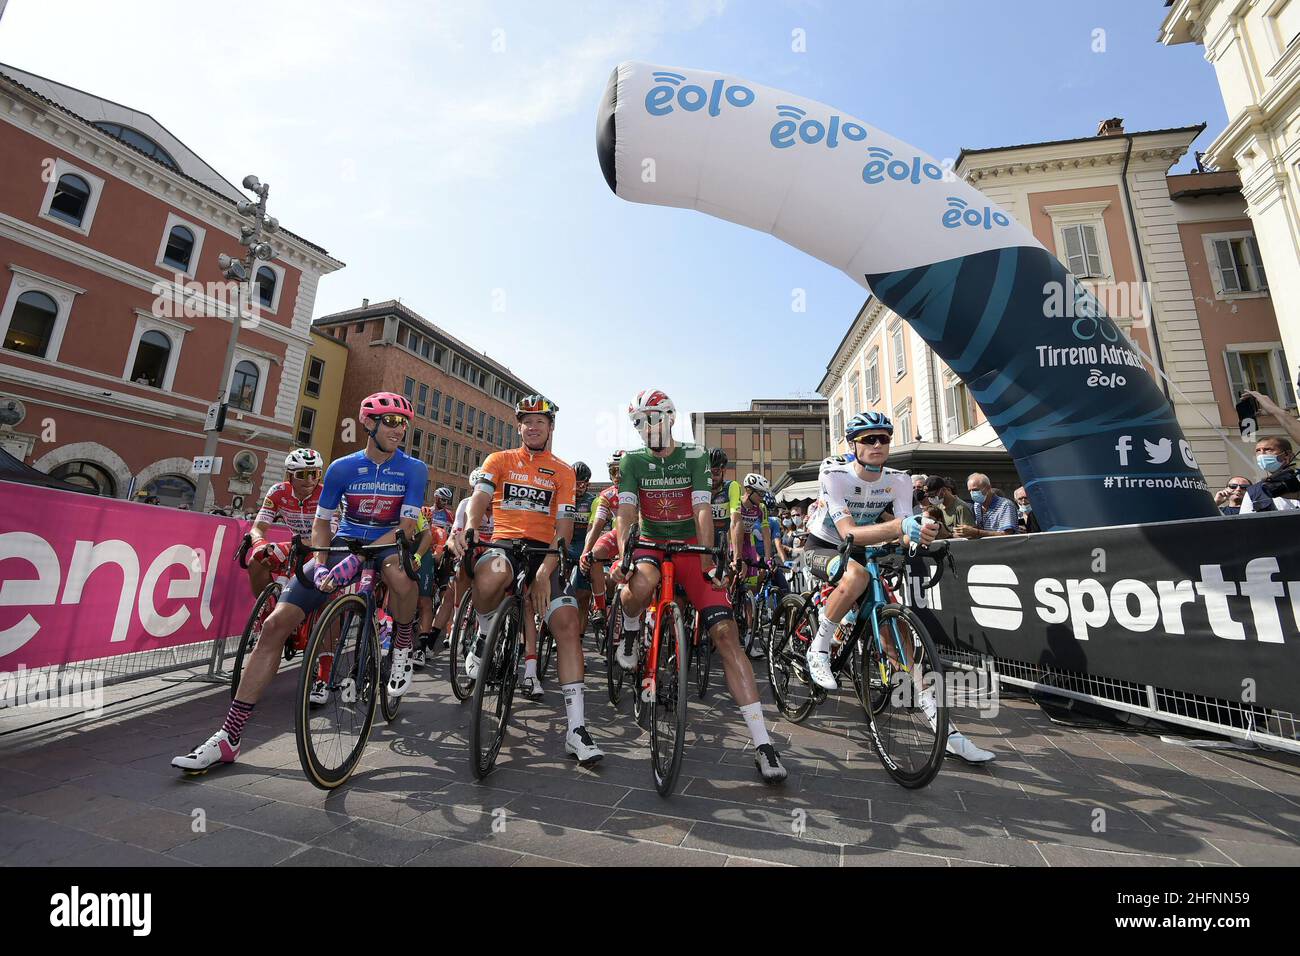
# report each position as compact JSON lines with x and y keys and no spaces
{"x":78,"y":909}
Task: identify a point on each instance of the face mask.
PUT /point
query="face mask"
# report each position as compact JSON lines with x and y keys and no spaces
{"x":1268,"y":463}
{"x":1025,"y":509}
{"x":977,"y":497}
{"x":935,"y":500}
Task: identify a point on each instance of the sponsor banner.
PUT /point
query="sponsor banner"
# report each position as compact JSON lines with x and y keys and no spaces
{"x":1210,"y":606}
{"x":83,"y":577}
{"x":1095,"y":441}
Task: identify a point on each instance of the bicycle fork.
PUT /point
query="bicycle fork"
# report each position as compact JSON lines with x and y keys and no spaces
{"x":666,"y":586}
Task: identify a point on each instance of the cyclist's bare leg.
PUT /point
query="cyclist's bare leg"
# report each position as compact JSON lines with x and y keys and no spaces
{"x":640,"y":588}
{"x":259,"y":576}
{"x":735,"y":662}
{"x":564,"y":624}
{"x":265,"y":659}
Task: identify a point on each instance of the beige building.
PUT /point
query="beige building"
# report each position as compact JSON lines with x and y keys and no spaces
{"x":1253,"y":46}
{"x":1172,"y":258}
{"x":317,"y":416}
{"x":770,"y":437}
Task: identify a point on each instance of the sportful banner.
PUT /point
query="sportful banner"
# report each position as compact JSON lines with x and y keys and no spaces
{"x":83,"y":577}
{"x":1207,"y":607}
{"x":1094,"y":440}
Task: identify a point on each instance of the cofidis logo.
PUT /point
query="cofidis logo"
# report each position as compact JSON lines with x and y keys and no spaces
{"x":884,"y":165}
{"x":962,"y":213}
{"x":792,"y":128}
{"x":669,"y":93}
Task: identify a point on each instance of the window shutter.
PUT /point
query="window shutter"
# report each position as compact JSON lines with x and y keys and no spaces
{"x":1261,"y":280}
{"x":1236,"y":377}
{"x":1224,"y":266}
{"x":1287,"y":388}
{"x":1090,"y":249}
{"x":949,"y":412}
{"x":1075,"y":260}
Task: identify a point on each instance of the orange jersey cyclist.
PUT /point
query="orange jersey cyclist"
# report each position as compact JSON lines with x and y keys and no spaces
{"x":531,"y":493}
{"x":668,"y":485}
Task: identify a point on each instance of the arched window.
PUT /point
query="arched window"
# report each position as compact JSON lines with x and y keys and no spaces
{"x":266,"y":286}
{"x":172,"y":491}
{"x":140,"y":141}
{"x":180,"y":247}
{"x":87,"y":474}
{"x":151,"y":357}
{"x":32,"y":324}
{"x":71,"y":196}
{"x":243,"y":387}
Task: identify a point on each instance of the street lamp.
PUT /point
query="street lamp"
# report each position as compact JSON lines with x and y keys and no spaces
{"x":238,"y":271}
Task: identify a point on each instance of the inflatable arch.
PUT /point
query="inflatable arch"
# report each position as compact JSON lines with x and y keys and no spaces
{"x":990,"y":299}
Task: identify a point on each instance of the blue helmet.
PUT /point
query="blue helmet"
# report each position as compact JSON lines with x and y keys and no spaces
{"x":867,"y":422}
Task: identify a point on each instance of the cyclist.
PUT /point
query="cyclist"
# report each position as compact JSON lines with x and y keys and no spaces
{"x":725,"y":500}
{"x":437,"y":521}
{"x":379,"y":489}
{"x":531,"y":495}
{"x":668,"y":484}
{"x":603,"y":511}
{"x":776,"y":527}
{"x":749,"y":522}
{"x":456,"y":577}
{"x":291,"y":502}
{"x":855,"y":490}
{"x":584,"y":512}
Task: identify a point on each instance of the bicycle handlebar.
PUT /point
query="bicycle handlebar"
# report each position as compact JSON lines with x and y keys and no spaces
{"x":521,"y":548}
{"x":935,"y":550}
{"x":297,"y":548}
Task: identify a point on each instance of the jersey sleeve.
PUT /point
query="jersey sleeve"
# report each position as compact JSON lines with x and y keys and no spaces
{"x":701,"y":480}
{"x":266,"y":513}
{"x":565,"y":493}
{"x":417,"y":479}
{"x":331,"y":492}
{"x":629,"y":475}
{"x":733,"y":498}
{"x":833,"y":495}
{"x":490,"y":472}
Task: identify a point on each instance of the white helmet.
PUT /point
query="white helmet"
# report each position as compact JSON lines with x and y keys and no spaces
{"x":303,"y":458}
{"x":651,"y":400}
{"x":757,"y":482}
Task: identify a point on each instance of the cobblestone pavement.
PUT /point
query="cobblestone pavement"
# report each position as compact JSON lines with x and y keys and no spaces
{"x":101,"y":792}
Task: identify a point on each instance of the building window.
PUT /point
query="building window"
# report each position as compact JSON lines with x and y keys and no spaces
{"x":837,"y":423}
{"x":492,"y":429}
{"x":442,"y":454}
{"x":439,"y":354}
{"x":1082,"y":253}
{"x":478,"y":458}
{"x":430,"y":444}
{"x":306,"y":424}
{"x":796,"y":445}
{"x":460,"y":416}
{"x":243,"y":386}
{"x":151,"y":357}
{"x":172,"y":491}
{"x":426,"y":348}
{"x":32,"y":324}
{"x":482,"y":418}
{"x":266,"y":283}
{"x":454,"y":465}
{"x":464,"y":460}
{"x":855,"y":393}
{"x":446,"y":410}
{"x":315,"y":375}
{"x":422,"y":403}
{"x":1260,"y":369}
{"x":469,"y":420}
{"x":417,"y":444}
{"x":873,"y":377}
{"x":435,"y":404}
{"x":360,"y":327}
{"x":140,"y":141}
{"x":1238,"y":268}
{"x":87,"y":474}
{"x":900,"y":351}
{"x":180,"y":246}
{"x":958,"y":410}
{"x":71,"y":199}
{"x":409,"y":390}
{"x":903,"y":425}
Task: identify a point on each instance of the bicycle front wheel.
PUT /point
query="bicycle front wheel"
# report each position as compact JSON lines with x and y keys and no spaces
{"x":668,"y":720}
{"x":332,"y":736}
{"x":545,"y":648}
{"x":615,"y":676}
{"x":494,"y":691}
{"x":702,"y":660}
{"x":787,"y":657}
{"x":266,"y":602}
{"x":910,"y":732}
{"x":462,"y":634}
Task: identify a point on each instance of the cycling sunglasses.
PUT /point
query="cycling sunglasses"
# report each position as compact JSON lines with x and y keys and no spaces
{"x":1237,"y":487}
{"x":307,"y":474}
{"x":393,"y":421}
{"x":874,"y":439}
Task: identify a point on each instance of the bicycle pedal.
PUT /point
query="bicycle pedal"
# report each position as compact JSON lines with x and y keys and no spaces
{"x":289,"y":652}
{"x":818,"y":695}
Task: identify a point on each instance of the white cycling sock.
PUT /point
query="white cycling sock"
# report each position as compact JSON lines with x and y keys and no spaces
{"x":573,"y":708}
{"x":485,"y":621}
{"x":632,"y":622}
{"x":825,"y":631}
{"x":530,"y":666}
{"x":753,"y":714}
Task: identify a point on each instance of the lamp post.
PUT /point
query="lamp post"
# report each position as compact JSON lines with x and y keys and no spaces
{"x":238,"y":271}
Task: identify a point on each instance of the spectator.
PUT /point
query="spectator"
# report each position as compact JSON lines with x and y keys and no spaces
{"x":1028,"y":522}
{"x":1289,"y":423}
{"x":935,"y":514}
{"x":938,"y":494}
{"x":1280,"y":490}
{"x":1229,"y":498}
{"x":994,"y":515}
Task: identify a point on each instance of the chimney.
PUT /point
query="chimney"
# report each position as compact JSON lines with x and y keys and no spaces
{"x":1111,"y":127}
{"x":365,"y":303}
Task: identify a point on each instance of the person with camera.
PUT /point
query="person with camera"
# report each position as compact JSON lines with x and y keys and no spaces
{"x":1280,"y":489}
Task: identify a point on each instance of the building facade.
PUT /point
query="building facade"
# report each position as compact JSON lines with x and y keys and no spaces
{"x":770,"y":437}
{"x":114,"y":317}
{"x":1172,"y":258}
{"x":464,"y":400}
{"x":323,"y":374}
{"x":1254,"y":47}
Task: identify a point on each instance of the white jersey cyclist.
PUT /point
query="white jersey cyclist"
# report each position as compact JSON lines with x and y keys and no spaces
{"x":844,"y":492}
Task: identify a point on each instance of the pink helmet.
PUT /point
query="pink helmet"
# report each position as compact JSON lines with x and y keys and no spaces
{"x":386,"y":403}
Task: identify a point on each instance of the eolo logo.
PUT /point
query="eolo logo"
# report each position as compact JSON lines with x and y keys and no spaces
{"x":792,"y":126}
{"x":962,"y":213}
{"x":663,"y":98}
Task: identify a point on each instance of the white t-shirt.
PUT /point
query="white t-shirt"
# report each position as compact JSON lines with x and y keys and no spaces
{"x":844,"y":492}
{"x":1281,"y":504}
{"x":462,"y":512}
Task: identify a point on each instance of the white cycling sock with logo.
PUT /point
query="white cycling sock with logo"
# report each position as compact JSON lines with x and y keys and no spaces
{"x":530,"y":666}
{"x":573,"y":702}
{"x":632,"y":622}
{"x":825,"y":631}
{"x":753,"y":714}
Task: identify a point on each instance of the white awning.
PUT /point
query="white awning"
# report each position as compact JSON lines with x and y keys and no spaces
{"x":798,"y":491}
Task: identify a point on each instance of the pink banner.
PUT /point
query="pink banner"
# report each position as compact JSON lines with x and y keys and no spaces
{"x":83,"y":577}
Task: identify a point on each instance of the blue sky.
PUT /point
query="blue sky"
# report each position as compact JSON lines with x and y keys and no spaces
{"x":446,"y":153}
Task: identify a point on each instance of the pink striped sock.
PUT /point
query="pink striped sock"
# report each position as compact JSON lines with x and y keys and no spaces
{"x":236,"y":717}
{"x":404,"y":634}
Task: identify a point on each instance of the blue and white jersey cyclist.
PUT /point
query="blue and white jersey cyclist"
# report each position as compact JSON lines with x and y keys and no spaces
{"x":378,"y":491}
{"x":855,"y":490}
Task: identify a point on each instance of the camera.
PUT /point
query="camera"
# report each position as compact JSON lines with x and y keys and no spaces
{"x":1284,"y":482}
